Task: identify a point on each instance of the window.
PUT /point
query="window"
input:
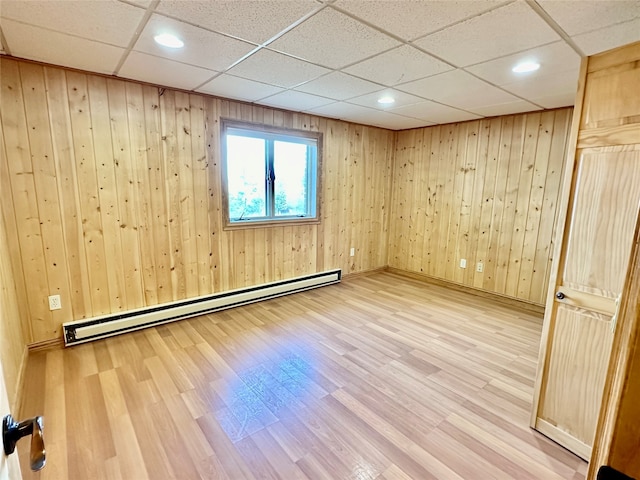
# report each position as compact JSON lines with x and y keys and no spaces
{"x":270,"y":175}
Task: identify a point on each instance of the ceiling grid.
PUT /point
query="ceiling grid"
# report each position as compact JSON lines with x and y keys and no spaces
{"x":442,"y":61}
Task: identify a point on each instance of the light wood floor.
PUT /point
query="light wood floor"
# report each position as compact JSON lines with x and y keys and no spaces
{"x":379,"y":377}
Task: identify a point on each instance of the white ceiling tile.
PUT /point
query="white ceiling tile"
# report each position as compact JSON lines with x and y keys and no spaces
{"x":401,"y":64}
{"x":368,"y":116}
{"x":410,"y":19}
{"x":340,"y":110}
{"x":500,"y":32}
{"x":277,"y":69}
{"x":140,"y":3}
{"x":519,"y":106}
{"x":435,"y":112}
{"x":556,"y":100}
{"x":160,"y":71}
{"x":238,"y":88}
{"x":333,"y":39}
{"x":610,"y":37}
{"x":385,"y":119}
{"x":253,"y":20}
{"x":371,"y":99}
{"x":587,"y":15}
{"x":296,"y":101}
{"x":399,"y":122}
{"x":555,"y":57}
{"x":560,"y":83}
{"x":35,"y":43}
{"x":338,"y":86}
{"x":458,"y":89}
{"x":480,"y":97}
{"x":201,"y":47}
{"x":85,"y":19}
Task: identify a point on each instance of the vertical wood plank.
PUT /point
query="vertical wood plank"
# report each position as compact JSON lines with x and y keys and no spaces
{"x":550,"y":205}
{"x":70,"y":204}
{"x":485,"y":230}
{"x":491,"y":266}
{"x":171,"y":157}
{"x":127,"y":194}
{"x":431,"y":212}
{"x":214,"y":189}
{"x":523,"y":201}
{"x":541,"y":162}
{"x":47,"y":195}
{"x":202,"y":215}
{"x":23,"y":190}
{"x":467,"y":172}
{"x":107,"y":188}
{"x":157,"y":186}
{"x":186,"y":201}
{"x":140,"y":172}
{"x":88,"y":190}
{"x":477,"y":204}
{"x":510,"y":199}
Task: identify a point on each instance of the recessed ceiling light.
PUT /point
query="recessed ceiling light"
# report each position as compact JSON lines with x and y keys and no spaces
{"x":387,"y":100}
{"x":525,"y":67}
{"x":168,"y":40}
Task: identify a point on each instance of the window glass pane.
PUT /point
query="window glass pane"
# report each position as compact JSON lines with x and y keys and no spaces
{"x":246,"y":177}
{"x":290,"y":167}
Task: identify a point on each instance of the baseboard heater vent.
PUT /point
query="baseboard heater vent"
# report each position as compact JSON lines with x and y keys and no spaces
{"x":82,"y":331}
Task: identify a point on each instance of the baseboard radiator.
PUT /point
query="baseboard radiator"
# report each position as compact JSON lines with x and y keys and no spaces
{"x":82,"y":331}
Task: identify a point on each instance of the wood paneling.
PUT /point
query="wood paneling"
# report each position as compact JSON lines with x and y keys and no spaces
{"x":113,"y":189}
{"x":485,"y":191}
{"x":378,"y":377}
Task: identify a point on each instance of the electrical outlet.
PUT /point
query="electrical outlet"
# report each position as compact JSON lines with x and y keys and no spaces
{"x":352,"y":252}
{"x":480,"y":267}
{"x":54,"y":302}
{"x":463,"y":263}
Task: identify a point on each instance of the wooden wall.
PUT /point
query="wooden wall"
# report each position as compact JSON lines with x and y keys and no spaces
{"x":485,"y":191}
{"x":12,"y":339}
{"x":111,"y":193}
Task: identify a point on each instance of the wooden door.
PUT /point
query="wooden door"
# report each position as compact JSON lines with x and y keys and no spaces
{"x":590,"y":265}
{"x":9,"y":466}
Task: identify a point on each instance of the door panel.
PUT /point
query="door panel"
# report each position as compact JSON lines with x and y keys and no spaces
{"x":610,"y":98}
{"x":578,"y":361}
{"x":606,"y":197}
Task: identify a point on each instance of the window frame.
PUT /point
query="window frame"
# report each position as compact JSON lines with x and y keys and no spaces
{"x":260,"y":131}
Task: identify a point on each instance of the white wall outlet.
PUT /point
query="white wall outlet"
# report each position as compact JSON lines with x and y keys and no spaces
{"x":352,"y":252}
{"x":463,"y":263}
{"x":480,"y":267}
{"x":54,"y":302}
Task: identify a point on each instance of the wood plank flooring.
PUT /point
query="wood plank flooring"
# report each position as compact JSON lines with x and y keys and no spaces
{"x":379,"y":377}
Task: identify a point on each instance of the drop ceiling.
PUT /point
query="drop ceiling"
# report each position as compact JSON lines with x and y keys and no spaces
{"x":442,"y":61}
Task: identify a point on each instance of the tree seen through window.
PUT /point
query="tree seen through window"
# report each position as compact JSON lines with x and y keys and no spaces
{"x":269,"y":176}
